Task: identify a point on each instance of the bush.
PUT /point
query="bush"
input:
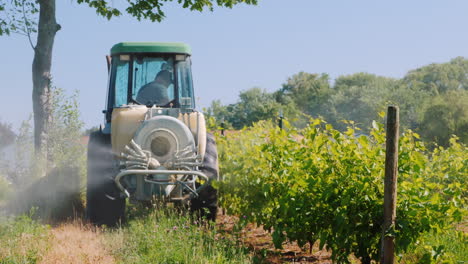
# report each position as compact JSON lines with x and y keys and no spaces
{"x":53,"y":185}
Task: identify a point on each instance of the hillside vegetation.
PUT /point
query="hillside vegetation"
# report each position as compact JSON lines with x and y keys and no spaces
{"x":433,"y":101}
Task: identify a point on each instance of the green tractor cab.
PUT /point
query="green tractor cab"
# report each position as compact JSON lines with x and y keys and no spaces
{"x":133,"y":65}
{"x":154,"y":143}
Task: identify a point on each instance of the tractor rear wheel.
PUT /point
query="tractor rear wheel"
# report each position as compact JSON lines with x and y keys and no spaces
{"x":206,"y":204}
{"x":104,"y":205}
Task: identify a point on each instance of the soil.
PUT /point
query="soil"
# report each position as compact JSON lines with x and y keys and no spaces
{"x":261,"y":244}
{"x":78,"y":244}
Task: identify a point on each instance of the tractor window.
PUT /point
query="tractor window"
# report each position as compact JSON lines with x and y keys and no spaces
{"x":184,"y":82}
{"x":121,"y":82}
{"x":153,"y":80}
{"x":164,"y":80}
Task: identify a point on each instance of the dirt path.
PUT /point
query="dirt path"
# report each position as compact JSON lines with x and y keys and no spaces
{"x":77,"y":244}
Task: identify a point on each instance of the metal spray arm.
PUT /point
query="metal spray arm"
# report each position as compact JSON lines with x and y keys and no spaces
{"x":134,"y":158}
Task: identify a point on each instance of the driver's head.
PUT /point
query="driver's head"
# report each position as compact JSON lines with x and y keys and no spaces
{"x":164,"y":77}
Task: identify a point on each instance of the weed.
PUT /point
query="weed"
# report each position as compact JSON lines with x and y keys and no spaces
{"x":22,"y":240}
{"x":168,"y":236}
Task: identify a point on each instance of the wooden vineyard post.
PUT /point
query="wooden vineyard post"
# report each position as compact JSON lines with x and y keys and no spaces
{"x":390,"y":191}
{"x":280,"y":120}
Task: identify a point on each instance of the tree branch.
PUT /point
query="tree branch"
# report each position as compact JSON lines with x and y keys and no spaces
{"x":20,"y":33}
{"x":28,"y":30}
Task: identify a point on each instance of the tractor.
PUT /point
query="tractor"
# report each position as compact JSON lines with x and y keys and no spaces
{"x":153,"y":144}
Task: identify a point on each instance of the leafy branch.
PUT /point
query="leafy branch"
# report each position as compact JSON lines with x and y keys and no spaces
{"x":19,"y":17}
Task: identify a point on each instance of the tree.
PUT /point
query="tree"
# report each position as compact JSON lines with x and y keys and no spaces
{"x":254,"y":104}
{"x":445,"y":116}
{"x":26,"y":17}
{"x":19,"y":16}
{"x":219,"y":112}
{"x":439,"y":78}
{"x":359,"y":97}
{"x":7,"y":136}
{"x":410,"y":101}
{"x":433,"y":101}
{"x":308,"y":91}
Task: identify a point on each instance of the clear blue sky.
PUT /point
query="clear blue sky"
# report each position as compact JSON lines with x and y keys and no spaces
{"x":236,"y":49}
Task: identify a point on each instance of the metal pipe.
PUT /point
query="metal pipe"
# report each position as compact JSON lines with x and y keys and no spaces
{"x":166,"y":172}
{"x":187,"y":164}
{"x":198,"y":132}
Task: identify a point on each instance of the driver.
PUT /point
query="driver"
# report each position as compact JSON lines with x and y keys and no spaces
{"x":155,"y":92}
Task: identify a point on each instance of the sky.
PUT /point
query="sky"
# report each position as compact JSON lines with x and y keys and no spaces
{"x":244,"y":47}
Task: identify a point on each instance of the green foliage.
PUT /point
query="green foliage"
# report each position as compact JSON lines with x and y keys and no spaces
{"x":65,"y":147}
{"x":153,"y":9}
{"x":20,"y":170}
{"x":22,"y":240}
{"x":448,"y":248}
{"x":216,"y":115}
{"x":56,"y":192}
{"x":254,"y":105}
{"x":411,"y":103}
{"x":309,"y":92}
{"x":445,"y":116}
{"x":359,"y":97}
{"x":439,"y":78}
{"x":449,"y":171}
{"x":165,"y":236}
{"x":322,"y":184}
{"x":18,"y":16}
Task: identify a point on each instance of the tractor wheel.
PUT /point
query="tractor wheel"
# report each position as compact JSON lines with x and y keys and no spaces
{"x":206,"y":204}
{"x":104,"y":205}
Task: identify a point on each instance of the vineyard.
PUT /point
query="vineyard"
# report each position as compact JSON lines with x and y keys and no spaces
{"x":318,"y":184}
{"x":259,"y":139}
{"x":316,"y":188}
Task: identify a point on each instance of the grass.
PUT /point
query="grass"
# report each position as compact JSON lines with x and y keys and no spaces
{"x":448,"y":247}
{"x":22,"y":240}
{"x":77,"y":243}
{"x":165,"y":236}
{"x":161,"y":236}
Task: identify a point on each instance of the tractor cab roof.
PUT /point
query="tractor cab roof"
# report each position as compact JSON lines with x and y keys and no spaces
{"x":150,"y":47}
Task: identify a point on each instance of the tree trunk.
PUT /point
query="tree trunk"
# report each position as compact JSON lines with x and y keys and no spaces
{"x":47,"y":27}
